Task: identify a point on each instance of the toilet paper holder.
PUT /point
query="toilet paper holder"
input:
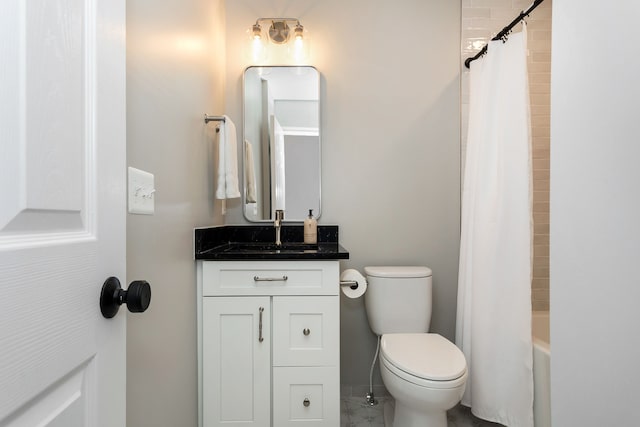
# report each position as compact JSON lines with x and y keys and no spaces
{"x":353,"y":284}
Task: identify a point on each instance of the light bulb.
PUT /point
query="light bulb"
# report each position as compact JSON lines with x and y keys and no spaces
{"x":299,"y":47}
{"x":257,"y":49}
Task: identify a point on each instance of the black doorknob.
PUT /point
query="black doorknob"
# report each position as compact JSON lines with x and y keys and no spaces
{"x":137,"y":297}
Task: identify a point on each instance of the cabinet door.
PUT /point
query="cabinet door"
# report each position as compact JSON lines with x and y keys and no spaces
{"x":306,"y":331}
{"x":236,"y":337}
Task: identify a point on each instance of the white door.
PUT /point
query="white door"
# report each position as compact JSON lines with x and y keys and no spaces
{"x":62,"y":211}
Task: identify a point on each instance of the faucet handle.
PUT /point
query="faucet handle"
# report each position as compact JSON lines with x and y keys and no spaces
{"x":279,"y":214}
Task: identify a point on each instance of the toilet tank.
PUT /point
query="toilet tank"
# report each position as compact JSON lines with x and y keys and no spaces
{"x":398,"y":299}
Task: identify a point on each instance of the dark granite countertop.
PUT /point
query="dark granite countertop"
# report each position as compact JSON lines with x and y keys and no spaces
{"x":256,"y":242}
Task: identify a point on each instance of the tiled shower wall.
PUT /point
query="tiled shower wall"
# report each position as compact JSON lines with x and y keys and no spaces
{"x":482,"y":20}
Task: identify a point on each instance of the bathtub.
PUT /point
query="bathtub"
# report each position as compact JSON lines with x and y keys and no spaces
{"x":541,"y":369}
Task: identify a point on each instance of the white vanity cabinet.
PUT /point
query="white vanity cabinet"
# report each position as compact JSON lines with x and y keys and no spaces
{"x":268,"y":343}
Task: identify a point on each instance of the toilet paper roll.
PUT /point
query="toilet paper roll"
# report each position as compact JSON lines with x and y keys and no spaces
{"x":351,"y":275}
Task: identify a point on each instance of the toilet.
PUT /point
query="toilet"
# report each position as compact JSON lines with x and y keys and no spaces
{"x":424,"y":372}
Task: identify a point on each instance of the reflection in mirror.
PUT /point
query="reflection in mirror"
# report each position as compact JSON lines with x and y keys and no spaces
{"x":281,"y":142}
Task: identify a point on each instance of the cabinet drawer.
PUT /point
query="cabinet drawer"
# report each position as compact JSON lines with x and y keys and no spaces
{"x":306,"y":331}
{"x":270,"y":278}
{"x":306,"y":396}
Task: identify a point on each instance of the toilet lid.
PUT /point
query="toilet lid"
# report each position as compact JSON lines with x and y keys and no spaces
{"x":428,"y":356}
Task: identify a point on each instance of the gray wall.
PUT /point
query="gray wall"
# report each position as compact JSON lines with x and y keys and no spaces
{"x":595,"y":233}
{"x":391,"y":143}
{"x":175,"y":71}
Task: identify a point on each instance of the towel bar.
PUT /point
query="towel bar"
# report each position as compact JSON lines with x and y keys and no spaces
{"x":208,"y":118}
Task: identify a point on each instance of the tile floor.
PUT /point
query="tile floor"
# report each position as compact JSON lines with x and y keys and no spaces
{"x":355,"y":412}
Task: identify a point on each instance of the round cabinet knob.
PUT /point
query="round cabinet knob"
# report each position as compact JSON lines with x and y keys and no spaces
{"x":306,"y":331}
{"x":137,"y":297}
{"x":306,"y":402}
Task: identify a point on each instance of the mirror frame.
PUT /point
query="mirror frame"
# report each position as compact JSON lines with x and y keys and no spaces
{"x":244,"y":186}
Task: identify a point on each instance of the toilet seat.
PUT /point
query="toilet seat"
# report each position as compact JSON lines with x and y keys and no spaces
{"x":424,"y":359}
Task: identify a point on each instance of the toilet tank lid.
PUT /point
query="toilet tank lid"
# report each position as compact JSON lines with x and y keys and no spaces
{"x":398,"y":271}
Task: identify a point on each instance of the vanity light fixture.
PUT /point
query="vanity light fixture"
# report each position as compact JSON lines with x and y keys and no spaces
{"x":279,"y":32}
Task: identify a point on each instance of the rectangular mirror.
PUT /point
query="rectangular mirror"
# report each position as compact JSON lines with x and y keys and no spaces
{"x":281,"y":146}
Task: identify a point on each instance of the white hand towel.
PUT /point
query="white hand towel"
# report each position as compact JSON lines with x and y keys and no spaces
{"x":249,"y":173}
{"x":227,"y":187}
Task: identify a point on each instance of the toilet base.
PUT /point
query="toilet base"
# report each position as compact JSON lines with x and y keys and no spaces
{"x":406,"y":416}
{"x":417,"y":405}
{"x":403,"y":416}
{"x":388,"y":412}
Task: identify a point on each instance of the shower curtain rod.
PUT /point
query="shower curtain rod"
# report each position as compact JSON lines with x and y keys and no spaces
{"x":504,"y":34}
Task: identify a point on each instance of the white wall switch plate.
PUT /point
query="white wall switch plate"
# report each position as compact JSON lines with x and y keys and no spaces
{"x":141,"y":192}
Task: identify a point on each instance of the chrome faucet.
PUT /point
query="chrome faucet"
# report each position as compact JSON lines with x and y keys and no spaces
{"x":277,"y":223}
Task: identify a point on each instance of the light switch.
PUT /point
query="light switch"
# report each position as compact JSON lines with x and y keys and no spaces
{"x":141,"y":192}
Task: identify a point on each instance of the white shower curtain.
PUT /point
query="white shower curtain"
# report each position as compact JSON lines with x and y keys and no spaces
{"x":494,"y":289}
